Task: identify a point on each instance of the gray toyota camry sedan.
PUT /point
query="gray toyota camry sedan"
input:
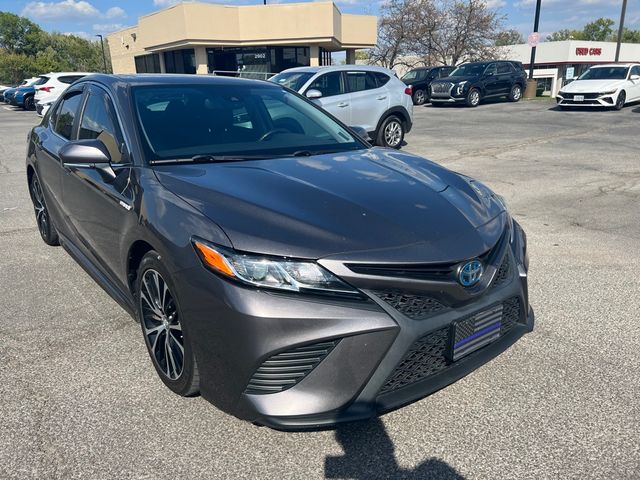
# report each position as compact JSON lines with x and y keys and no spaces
{"x":278,"y":265}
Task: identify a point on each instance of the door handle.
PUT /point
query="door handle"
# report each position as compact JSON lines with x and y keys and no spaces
{"x":343,"y":104}
{"x":381,"y":97}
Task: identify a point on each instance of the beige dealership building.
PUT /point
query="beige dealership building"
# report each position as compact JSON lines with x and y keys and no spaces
{"x":251,"y":40}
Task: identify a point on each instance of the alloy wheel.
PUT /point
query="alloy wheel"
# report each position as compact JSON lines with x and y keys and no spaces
{"x":517,"y":93}
{"x":161,"y":324}
{"x":42,"y":216}
{"x":620,"y":101}
{"x":474,"y":97}
{"x":393,"y":133}
{"x":420,"y":97}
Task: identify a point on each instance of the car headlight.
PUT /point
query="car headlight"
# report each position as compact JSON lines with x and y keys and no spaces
{"x":270,"y":272}
{"x":460,"y":87}
{"x":610,"y":92}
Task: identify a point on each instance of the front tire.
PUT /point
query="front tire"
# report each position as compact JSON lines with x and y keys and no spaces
{"x":419,"y":97}
{"x":516,"y":93}
{"x":473,"y":98}
{"x":391,"y":133}
{"x":29,"y":103}
{"x":621,"y":100}
{"x":46,"y":227}
{"x":162,"y":325}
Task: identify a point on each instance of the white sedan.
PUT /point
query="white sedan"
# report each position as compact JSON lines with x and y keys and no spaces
{"x":603,"y":86}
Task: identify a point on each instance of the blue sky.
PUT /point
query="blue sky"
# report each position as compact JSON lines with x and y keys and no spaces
{"x":88,"y":17}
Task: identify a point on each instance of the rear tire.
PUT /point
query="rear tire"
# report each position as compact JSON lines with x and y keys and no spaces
{"x":516,"y":93}
{"x":29,"y":103}
{"x":621,"y":100}
{"x":46,"y":227}
{"x":391,"y":133}
{"x":473,"y":98}
{"x":168,"y":342}
{"x":419,"y":97}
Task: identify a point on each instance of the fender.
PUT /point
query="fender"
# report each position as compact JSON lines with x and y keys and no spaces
{"x":401,"y":112}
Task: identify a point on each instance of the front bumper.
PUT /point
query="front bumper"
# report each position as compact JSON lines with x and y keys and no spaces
{"x":588,"y":100}
{"x":355,"y":351}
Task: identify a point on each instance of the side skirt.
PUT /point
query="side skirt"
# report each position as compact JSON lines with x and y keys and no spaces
{"x":123,"y":299}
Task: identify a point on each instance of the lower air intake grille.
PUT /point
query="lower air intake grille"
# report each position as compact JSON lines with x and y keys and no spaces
{"x":428,"y":355}
{"x":416,"y":307}
{"x":285,"y":369}
{"x":503,"y":273}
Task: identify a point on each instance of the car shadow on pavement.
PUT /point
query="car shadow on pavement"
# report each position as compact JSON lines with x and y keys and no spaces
{"x":369,"y":453}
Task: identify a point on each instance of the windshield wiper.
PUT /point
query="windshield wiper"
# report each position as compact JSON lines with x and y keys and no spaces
{"x":206,"y":158}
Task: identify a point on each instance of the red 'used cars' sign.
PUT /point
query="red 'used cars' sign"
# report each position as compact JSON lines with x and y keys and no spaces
{"x":583,"y":51}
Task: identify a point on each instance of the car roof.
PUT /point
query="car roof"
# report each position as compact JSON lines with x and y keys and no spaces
{"x":339,"y":68}
{"x":64,"y":74}
{"x":608,"y":65}
{"x":148,"y":79}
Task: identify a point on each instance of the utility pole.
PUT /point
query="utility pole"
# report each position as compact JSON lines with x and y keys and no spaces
{"x":104,"y":57}
{"x":536,"y":22}
{"x":621,"y":29}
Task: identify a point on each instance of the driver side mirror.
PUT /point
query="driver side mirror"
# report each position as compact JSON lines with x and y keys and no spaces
{"x":83,"y":154}
{"x":360,"y":132}
{"x":313,"y":93}
{"x":635,"y":77}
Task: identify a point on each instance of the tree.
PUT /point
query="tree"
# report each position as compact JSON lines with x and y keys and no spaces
{"x":599,"y":30}
{"x":509,"y":37}
{"x":565,"y":34}
{"x":445,"y":32}
{"x":630,"y":36}
{"x":26,"y":50}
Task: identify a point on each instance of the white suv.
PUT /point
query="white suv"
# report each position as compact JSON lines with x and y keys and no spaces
{"x":47,"y":93}
{"x":372,"y":98}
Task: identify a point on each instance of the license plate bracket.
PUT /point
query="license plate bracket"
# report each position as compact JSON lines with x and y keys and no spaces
{"x":474,"y":332}
{"x":578,"y":98}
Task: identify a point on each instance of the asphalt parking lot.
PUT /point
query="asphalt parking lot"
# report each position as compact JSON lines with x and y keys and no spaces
{"x":80,"y":399}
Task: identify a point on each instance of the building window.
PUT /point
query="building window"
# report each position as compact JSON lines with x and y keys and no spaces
{"x":180,"y":61}
{"x":255,"y":62}
{"x":148,"y":63}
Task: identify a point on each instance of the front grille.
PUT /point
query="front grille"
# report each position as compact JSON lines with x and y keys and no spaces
{"x":428,"y":355}
{"x":587,"y":96}
{"x":503,"y":273}
{"x":443,"y":87}
{"x":285,"y":369}
{"x":416,"y":307}
{"x":437,"y":271}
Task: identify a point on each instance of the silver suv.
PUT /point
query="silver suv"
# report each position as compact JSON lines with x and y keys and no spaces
{"x":371,"y":98}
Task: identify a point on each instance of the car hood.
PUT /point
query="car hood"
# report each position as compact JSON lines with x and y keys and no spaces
{"x":595,"y":86}
{"x":457,"y":79}
{"x":374,"y":205}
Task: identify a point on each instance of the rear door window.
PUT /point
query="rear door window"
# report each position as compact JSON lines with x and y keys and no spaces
{"x":329,"y":84}
{"x":66,"y":114}
{"x":381,"y":78}
{"x":504,"y":68}
{"x":361,"y":81}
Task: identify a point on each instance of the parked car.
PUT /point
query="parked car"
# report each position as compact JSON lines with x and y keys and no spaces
{"x":8,"y":93}
{"x":279,"y":265}
{"x":48,"y":92}
{"x":372,"y":98}
{"x":471,"y":83}
{"x":612,"y":85}
{"x":24,"y":96}
{"x":420,"y":78}
{"x":3,"y":88}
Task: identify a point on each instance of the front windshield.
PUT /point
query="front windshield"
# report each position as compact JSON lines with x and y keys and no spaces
{"x":182,"y":121}
{"x":292,"y":80}
{"x":468,"y":70}
{"x":605,"y":73}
